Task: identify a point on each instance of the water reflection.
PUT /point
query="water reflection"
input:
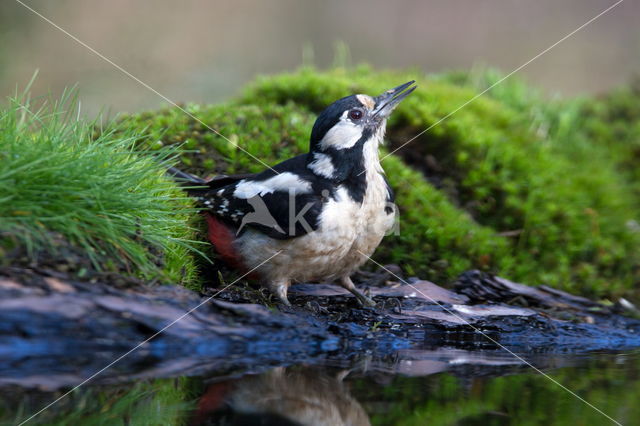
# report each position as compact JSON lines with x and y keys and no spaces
{"x":439,"y":386}
{"x":282,"y":396}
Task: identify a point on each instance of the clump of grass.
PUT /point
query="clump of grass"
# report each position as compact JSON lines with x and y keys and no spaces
{"x":61,"y":176}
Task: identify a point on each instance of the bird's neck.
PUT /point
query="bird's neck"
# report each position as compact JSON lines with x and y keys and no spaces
{"x":355,"y":168}
{"x":371,"y":155}
{"x":340,"y":165}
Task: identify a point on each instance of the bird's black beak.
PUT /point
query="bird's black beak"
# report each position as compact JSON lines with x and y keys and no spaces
{"x":390,"y":99}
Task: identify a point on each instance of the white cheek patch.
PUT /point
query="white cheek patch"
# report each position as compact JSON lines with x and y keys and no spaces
{"x":283,"y":182}
{"x":343,"y":135}
{"x":322,"y":165}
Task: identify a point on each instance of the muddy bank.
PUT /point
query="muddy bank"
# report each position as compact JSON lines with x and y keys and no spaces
{"x":55,"y":332}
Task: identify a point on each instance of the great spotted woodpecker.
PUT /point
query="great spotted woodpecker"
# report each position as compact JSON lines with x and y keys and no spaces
{"x":320,"y":214}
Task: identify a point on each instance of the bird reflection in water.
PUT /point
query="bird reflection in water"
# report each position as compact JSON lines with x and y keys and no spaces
{"x":282,"y":396}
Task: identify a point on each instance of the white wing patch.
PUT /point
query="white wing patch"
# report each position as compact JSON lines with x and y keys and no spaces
{"x":322,"y":165}
{"x":283,"y":182}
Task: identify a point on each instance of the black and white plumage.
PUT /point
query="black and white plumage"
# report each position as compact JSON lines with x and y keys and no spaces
{"x":324,"y":211}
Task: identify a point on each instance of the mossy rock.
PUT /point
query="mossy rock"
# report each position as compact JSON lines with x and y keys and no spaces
{"x":507,"y":183}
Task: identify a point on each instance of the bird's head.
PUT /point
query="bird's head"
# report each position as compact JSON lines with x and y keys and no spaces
{"x":355,"y":119}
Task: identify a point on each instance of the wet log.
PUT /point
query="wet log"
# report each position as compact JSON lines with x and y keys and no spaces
{"x":56,"y":331}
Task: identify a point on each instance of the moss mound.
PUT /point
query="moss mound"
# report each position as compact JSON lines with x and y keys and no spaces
{"x":510,"y":183}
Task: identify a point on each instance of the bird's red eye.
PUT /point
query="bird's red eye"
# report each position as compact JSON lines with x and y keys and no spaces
{"x":355,"y":114}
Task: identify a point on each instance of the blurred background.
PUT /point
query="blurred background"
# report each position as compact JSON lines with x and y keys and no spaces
{"x":205,"y":51}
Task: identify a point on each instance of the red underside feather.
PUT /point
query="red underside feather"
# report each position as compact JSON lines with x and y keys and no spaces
{"x":222,"y":238}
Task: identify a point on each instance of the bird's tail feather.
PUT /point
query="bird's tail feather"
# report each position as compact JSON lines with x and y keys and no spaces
{"x":192,"y":185}
{"x":184,"y":178}
{"x":195,"y":185}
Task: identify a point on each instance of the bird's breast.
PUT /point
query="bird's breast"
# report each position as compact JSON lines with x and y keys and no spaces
{"x":348,"y":231}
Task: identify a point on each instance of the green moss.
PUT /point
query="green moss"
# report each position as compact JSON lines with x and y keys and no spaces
{"x":436,"y":240}
{"x":448,"y":240}
{"x":66,"y":191}
{"x":268,"y":132}
{"x":517,"y":163}
{"x":595,"y":144}
{"x":509,"y":183}
{"x":613,"y":122}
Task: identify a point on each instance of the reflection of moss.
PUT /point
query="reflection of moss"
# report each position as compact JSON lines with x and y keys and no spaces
{"x":521,"y":399}
{"x":156,"y":402}
{"x":508,"y":183}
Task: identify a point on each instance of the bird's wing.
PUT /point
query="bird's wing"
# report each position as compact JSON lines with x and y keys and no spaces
{"x":277,"y":214}
{"x":284,"y":202}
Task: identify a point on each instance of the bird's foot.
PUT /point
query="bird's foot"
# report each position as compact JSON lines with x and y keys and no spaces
{"x":365,"y":301}
{"x":280,"y":291}
{"x":346,"y":283}
{"x":284,"y":301}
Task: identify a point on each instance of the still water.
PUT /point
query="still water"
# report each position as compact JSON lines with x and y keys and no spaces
{"x":430,"y":386}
